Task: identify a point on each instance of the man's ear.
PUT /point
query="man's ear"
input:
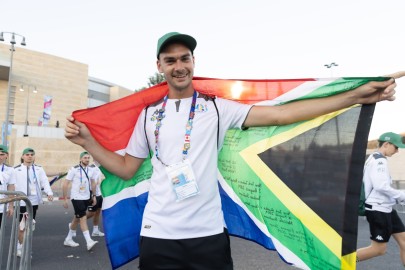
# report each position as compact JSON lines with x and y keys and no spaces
{"x":159,"y":66}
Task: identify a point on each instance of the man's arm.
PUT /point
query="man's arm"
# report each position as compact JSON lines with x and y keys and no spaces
{"x":65,"y":188}
{"x":122,"y":166}
{"x":10,"y":211}
{"x":371,"y":92}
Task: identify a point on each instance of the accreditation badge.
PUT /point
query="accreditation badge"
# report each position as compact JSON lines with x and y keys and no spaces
{"x":82,"y":188}
{"x":182,"y":177}
{"x":33,"y":189}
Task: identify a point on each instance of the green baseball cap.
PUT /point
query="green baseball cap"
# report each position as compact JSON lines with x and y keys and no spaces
{"x":393,"y":138}
{"x":171,"y":37}
{"x":3,"y":149}
{"x":27,"y":150}
{"x":83,"y":154}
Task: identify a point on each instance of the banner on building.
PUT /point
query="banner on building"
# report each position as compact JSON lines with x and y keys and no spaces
{"x":46,"y":115}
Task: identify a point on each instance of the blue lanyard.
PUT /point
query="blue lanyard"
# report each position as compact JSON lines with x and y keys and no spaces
{"x":189,"y":127}
{"x":33,"y":172}
{"x":2,"y":168}
{"x":81,"y":176}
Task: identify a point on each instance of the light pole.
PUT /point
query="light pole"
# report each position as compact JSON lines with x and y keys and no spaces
{"x":27,"y":105}
{"x":12,"y":42}
{"x":330,"y":66}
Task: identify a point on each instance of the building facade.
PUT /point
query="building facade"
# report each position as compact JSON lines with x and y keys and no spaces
{"x":37,"y":79}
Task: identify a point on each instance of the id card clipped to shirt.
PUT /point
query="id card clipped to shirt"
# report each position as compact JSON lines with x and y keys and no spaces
{"x":182,"y":177}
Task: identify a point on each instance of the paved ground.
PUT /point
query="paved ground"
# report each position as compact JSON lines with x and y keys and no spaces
{"x":50,"y":254}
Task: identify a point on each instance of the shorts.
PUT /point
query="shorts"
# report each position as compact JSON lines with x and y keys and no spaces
{"x":210,"y":252}
{"x":98,"y":205}
{"x":80,"y":207}
{"x":383,"y":225}
{"x":23,"y":209}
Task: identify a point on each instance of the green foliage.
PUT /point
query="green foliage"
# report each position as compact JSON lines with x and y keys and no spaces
{"x":153,"y":80}
{"x":156,"y":79}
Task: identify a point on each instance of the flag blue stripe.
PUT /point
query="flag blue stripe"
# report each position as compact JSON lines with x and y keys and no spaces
{"x":240,"y":224}
{"x":122,"y":225}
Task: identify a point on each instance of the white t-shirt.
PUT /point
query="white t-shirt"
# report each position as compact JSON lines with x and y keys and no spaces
{"x":200,"y":215}
{"x":37,"y":181}
{"x":81,"y":185}
{"x":7,"y":177}
{"x":98,"y":176}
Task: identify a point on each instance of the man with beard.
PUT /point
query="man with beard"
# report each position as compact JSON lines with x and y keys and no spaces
{"x":183,"y":225}
{"x":81,"y":180}
{"x":31,"y":179}
{"x":7,"y":181}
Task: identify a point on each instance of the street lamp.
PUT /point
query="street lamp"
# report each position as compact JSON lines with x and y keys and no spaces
{"x":27,"y":106}
{"x":330,"y":66}
{"x":12,"y":42}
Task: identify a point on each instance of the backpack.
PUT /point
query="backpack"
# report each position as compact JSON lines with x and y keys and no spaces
{"x":362,"y":202}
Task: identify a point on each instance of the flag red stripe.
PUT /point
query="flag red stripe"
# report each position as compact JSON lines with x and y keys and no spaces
{"x":112,"y":124}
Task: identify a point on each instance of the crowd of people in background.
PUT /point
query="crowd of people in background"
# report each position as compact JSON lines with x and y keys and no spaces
{"x":83,"y":181}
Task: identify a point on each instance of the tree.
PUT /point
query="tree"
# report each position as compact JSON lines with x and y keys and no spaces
{"x":156,"y":79}
{"x":153,"y":80}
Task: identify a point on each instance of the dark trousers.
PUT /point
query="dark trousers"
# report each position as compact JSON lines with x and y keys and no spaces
{"x":203,"y":253}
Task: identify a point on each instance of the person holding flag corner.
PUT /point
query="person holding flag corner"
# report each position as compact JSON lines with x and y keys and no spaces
{"x":183,"y":225}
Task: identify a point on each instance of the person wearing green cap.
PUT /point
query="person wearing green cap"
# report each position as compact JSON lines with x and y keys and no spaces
{"x":31,"y":179}
{"x":183,"y":224}
{"x":82,"y":184}
{"x":7,"y":181}
{"x":383,"y":220}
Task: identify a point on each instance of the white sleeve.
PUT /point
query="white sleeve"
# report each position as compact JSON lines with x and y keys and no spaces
{"x":45,"y":183}
{"x":71,"y":174}
{"x":232,"y":114}
{"x":381,"y":180}
{"x":13,"y":177}
{"x":137,"y":145}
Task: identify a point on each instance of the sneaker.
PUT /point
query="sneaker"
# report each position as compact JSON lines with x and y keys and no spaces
{"x":70,"y":243}
{"x":97,"y":233}
{"x":91,"y":244}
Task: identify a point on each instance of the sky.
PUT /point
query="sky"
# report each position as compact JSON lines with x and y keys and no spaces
{"x":236,"y":39}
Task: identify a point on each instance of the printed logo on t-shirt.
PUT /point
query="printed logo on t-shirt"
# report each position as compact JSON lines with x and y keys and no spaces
{"x":147,"y":226}
{"x":201,"y":108}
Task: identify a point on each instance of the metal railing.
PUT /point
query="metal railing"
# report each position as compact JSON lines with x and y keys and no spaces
{"x":12,"y":261}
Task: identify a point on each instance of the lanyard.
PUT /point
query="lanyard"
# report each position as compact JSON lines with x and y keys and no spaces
{"x":33,"y":171}
{"x":81,"y":176}
{"x":189,"y":127}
